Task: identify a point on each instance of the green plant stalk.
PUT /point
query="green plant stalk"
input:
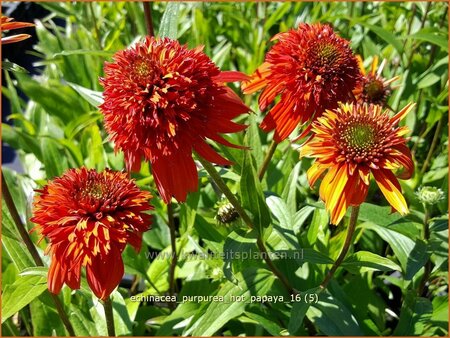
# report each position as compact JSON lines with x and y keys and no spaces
{"x":240,"y":210}
{"x":94,"y":23}
{"x":432,"y":147}
{"x":148,"y":18}
{"x":33,"y":251}
{"x":267,"y":159}
{"x":426,"y":236}
{"x":107,"y":306}
{"x":173,"y":244}
{"x":343,"y":253}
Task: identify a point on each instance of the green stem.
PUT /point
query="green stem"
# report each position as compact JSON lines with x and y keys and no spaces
{"x":432,"y":147}
{"x":107,"y":305}
{"x":174,"y":261}
{"x":94,"y":23}
{"x":148,"y":18}
{"x":265,"y":164}
{"x":233,"y":200}
{"x":427,"y":268}
{"x":347,"y":243}
{"x":33,"y":251}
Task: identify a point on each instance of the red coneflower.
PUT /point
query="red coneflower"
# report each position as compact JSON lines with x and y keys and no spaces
{"x":373,"y":88}
{"x":311,"y":69}
{"x":351,"y":142}
{"x":163,"y":101}
{"x":7,"y":25}
{"x":89,"y":217}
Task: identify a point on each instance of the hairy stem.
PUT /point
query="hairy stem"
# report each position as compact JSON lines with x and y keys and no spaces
{"x":107,"y":305}
{"x":347,"y":243}
{"x":426,"y":237}
{"x":148,"y":18}
{"x":240,"y":210}
{"x":432,"y":147}
{"x":32,"y":250}
{"x":94,"y":23}
{"x":267,"y":159}
{"x":174,"y":261}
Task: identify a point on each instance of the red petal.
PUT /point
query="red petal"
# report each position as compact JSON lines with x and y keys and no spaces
{"x":208,"y":153}
{"x":105,"y":273}
{"x":55,"y":276}
{"x":232,"y":76}
{"x":175,"y":175}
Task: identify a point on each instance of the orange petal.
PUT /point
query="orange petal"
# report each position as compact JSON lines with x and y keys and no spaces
{"x":359,"y":191}
{"x":14,"y":38}
{"x":405,"y":159}
{"x":16,"y":25}
{"x":325,"y":185}
{"x":402,"y":113}
{"x":314,"y":173}
{"x":55,"y":276}
{"x":257,"y":80}
{"x":391,"y":189}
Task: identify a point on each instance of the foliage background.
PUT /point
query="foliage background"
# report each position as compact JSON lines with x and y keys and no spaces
{"x":375,"y":291}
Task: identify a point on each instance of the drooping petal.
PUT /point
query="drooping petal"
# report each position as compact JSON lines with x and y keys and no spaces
{"x":257,"y":80}
{"x":391,"y":189}
{"x":105,"y":273}
{"x":175,"y":175}
{"x":55,"y":279}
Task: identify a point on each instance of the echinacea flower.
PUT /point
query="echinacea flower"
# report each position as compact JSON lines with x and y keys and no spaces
{"x":310,"y":69}
{"x":7,"y":25}
{"x":350,"y":143}
{"x":373,"y":88}
{"x":162,"y":101}
{"x":88,"y":218}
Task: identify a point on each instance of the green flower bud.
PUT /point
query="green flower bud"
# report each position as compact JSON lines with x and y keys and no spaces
{"x":430,"y":195}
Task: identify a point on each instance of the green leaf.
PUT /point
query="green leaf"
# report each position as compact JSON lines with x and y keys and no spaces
{"x":57,"y":100}
{"x":301,"y":216}
{"x":333,"y":318}
{"x":217,"y":314}
{"x":280,"y":210}
{"x":21,"y":140}
{"x":432,"y":37}
{"x":18,"y":253}
{"x":414,"y":315}
{"x":289,"y":193}
{"x":19,"y":294}
{"x":55,"y":164}
{"x":186,"y":310}
{"x":8,"y":227}
{"x":377,"y":214}
{"x":428,"y":80}
{"x":93,"y":97}
{"x":168,"y":27}
{"x":366,"y":261}
{"x":417,"y":259}
{"x":384,"y":34}
{"x":252,"y":196}
{"x":237,"y":251}
{"x":41,"y":271}
{"x":298,"y":312}
{"x":12,"y":67}
{"x":82,"y":324}
{"x":399,"y":243}
{"x":267,"y":323}
{"x":122,"y":321}
{"x":46,"y":320}
{"x":277,"y":15}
